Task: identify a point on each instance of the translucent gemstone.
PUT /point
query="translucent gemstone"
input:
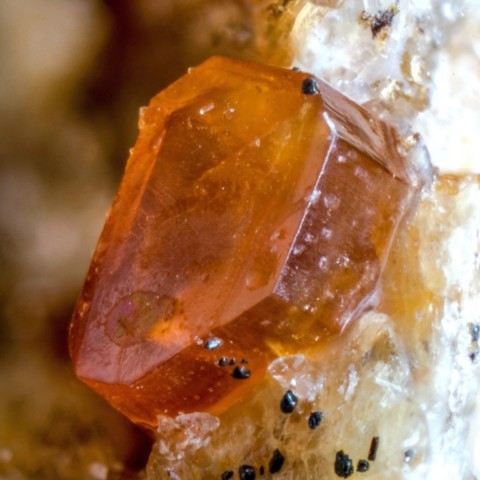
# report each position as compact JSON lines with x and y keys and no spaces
{"x":254,"y":219}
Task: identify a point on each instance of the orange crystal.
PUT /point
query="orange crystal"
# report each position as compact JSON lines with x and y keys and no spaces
{"x":250,"y":212}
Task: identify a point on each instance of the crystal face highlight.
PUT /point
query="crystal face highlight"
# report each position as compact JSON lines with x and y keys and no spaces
{"x":254,"y":220}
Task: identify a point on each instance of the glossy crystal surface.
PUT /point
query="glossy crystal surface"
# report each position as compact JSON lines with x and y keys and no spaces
{"x":249,"y":212}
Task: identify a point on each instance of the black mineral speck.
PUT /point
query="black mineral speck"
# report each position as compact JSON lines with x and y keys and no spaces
{"x":232,"y":361}
{"x":315,"y":419}
{"x":309,"y":86}
{"x":244,"y":361}
{"x":343,"y":465}
{"x":241,"y":373}
{"x":474,"y":355}
{"x":227,"y":475}
{"x":246,"y":472}
{"x":212,"y":343}
{"x":408,"y":455}
{"x":380,"y":20}
{"x":261,"y":470}
{"x":288,"y":402}
{"x":372,"y":453}
{"x":363,"y":466}
{"x":276,"y":462}
{"x":223,"y":362}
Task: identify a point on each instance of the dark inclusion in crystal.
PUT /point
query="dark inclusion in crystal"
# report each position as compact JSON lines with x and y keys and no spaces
{"x":343,"y":465}
{"x":276,"y":462}
{"x":309,"y":86}
{"x":372,"y":453}
{"x":223,"y":361}
{"x":288,"y":402}
{"x":315,"y":419}
{"x":241,"y":373}
{"x":246,"y":472}
{"x":363,"y":466}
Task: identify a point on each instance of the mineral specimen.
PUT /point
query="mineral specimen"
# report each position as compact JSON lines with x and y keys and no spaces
{"x":397,"y":385}
{"x":255,"y":217}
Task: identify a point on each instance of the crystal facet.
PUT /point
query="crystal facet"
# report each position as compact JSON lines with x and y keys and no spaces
{"x":254,"y":216}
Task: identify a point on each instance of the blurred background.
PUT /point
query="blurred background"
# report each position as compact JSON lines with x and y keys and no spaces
{"x":73,"y":74}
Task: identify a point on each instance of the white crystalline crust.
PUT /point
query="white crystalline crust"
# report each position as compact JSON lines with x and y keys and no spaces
{"x":451,"y":123}
{"x":424,"y":68}
{"x":426,"y":71}
{"x":450,"y":267}
{"x":336,"y":45}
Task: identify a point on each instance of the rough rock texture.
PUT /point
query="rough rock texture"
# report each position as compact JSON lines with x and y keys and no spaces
{"x":407,"y":373}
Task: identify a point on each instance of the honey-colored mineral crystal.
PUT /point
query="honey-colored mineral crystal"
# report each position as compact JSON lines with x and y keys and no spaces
{"x":253,"y":220}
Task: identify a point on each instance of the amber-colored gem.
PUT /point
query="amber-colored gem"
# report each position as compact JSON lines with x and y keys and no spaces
{"x":253,"y":220}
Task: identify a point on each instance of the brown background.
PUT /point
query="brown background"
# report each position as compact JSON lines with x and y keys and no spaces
{"x":73,"y":75}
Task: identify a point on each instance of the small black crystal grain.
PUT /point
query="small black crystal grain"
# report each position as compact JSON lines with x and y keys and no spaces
{"x":343,"y":465}
{"x":315,"y":419}
{"x":223,"y":362}
{"x":288,"y":402}
{"x":246,"y":472}
{"x":309,"y":86}
{"x":212,"y":343}
{"x":241,"y":373}
{"x":261,"y":470}
{"x":408,"y":455}
{"x":244,"y":361}
{"x":232,"y":361}
{"x":227,"y":475}
{"x":372,"y":453}
{"x":363,"y":466}
{"x":276,"y":462}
